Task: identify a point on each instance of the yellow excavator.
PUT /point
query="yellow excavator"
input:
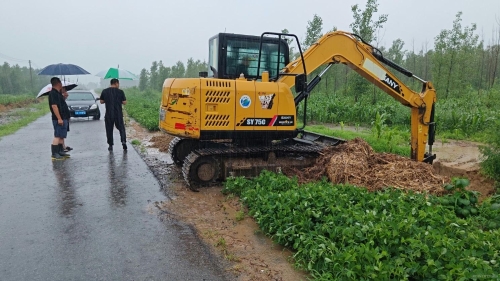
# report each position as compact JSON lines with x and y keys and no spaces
{"x":240,"y":116}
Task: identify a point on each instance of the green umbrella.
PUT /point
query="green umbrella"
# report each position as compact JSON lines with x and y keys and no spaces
{"x":117,"y":73}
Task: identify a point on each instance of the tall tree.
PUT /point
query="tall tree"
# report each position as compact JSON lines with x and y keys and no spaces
{"x":396,"y":52}
{"x":153,"y":76}
{"x":143,"y":80}
{"x":163,"y":73}
{"x":178,"y":70}
{"x":313,"y":32}
{"x":453,"y":52}
{"x":193,"y":68}
{"x":291,"y":45}
{"x":363,"y":24}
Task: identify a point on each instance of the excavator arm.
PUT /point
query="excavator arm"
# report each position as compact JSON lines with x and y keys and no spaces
{"x":351,"y":50}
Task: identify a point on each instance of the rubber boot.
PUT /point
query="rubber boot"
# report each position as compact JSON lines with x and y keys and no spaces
{"x":61,"y":151}
{"x":55,"y":153}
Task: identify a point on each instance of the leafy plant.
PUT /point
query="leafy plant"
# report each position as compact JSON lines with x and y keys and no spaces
{"x":462,"y":201}
{"x":491,"y":152}
{"x":240,"y":215}
{"x":344,"y":232}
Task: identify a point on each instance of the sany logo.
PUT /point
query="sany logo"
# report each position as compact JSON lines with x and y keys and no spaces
{"x":391,"y":82}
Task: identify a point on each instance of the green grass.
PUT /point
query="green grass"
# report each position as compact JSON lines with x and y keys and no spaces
{"x":143,"y":107}
{"x":342,"y":232}
{"x":391,"y":141}
{"x":27,"y":115}
{"x":16,"y":99}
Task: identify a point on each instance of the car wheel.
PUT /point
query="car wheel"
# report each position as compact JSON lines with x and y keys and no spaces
{"x":98,"y":116}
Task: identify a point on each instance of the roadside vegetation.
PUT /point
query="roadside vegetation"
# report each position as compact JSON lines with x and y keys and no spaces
{"x":17,"y":111}
{"x":144,"y":107}
{"x":16,"y":100}
{"x":344,"y":232}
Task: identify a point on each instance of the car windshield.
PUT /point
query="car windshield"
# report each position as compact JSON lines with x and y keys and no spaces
{"x":80,"y":96}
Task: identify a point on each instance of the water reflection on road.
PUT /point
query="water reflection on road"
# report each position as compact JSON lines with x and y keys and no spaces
{"x":117,"y":175}
{"x":66,"y":196}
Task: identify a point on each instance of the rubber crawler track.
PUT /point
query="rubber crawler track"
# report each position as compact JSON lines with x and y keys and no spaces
{"x":239,"y":151}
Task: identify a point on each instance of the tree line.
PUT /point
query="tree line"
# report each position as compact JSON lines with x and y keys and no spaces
{"x":157,"y":73}
{"x":460,"y":62}
{"x":16,"y":80}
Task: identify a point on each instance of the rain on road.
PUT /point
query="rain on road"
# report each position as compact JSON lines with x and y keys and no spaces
{"x":90,"y":217}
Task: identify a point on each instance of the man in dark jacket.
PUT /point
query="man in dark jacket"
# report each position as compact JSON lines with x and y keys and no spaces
{"x":60,"y":117}
{"x":114,"y":98}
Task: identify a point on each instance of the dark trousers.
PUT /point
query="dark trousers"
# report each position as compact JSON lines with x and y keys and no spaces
{"x":118,"y":123}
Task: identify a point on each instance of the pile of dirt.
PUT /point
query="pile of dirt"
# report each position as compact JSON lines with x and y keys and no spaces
{"x":161,"y":142}
{"x":355,"y":162}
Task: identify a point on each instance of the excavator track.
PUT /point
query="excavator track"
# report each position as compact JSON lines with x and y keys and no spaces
{"x":171,"y":150}
{"x":196,"y":171}
{"x":179,"y":148}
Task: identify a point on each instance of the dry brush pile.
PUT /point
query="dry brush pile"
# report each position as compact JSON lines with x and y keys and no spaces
{"x":355,"y":162}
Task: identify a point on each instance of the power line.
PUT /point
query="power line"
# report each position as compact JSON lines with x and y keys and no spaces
{"x":12,"y":58}
{"x":9,"y":58}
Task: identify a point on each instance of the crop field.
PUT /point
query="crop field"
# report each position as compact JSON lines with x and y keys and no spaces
{"x":459,"y":118}
{"x":343,"y":232}
{"x":144,"y":107}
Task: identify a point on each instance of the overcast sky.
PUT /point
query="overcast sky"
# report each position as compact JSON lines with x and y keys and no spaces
{"x":98,"y":34}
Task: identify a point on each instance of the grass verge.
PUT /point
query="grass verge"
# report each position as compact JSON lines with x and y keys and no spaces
{"x":9,"y":100}
{"x":24,"y":117}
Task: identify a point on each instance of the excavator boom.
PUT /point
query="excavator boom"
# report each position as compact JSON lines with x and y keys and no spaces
{"x":349,"y":49}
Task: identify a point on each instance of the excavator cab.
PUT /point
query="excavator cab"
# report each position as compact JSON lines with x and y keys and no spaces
{"x":231,"y":55}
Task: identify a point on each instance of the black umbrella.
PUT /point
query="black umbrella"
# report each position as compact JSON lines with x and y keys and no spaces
{"x":46,"y":90}
{"x":63,"y":69}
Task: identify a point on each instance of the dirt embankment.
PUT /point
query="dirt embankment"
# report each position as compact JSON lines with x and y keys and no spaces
{"x":219,"y":220}
{"x":250,"y":255}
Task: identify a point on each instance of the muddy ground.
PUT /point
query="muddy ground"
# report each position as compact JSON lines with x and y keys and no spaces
{"x":220,"y":220}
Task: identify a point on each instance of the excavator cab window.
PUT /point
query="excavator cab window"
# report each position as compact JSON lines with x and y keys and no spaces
{"x":232,"y":54}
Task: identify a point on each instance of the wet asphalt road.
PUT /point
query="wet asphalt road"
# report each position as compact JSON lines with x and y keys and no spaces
{"x":90,"y":217}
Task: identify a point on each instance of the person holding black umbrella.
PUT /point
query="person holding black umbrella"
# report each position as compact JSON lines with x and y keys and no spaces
{"x":114,"y":98}
{"x":60,"y":117}
{"x":65,"y":95}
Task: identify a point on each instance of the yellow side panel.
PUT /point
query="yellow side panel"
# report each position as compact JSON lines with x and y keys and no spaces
{"x":244,"y":104}
{"x":217,"y":104}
